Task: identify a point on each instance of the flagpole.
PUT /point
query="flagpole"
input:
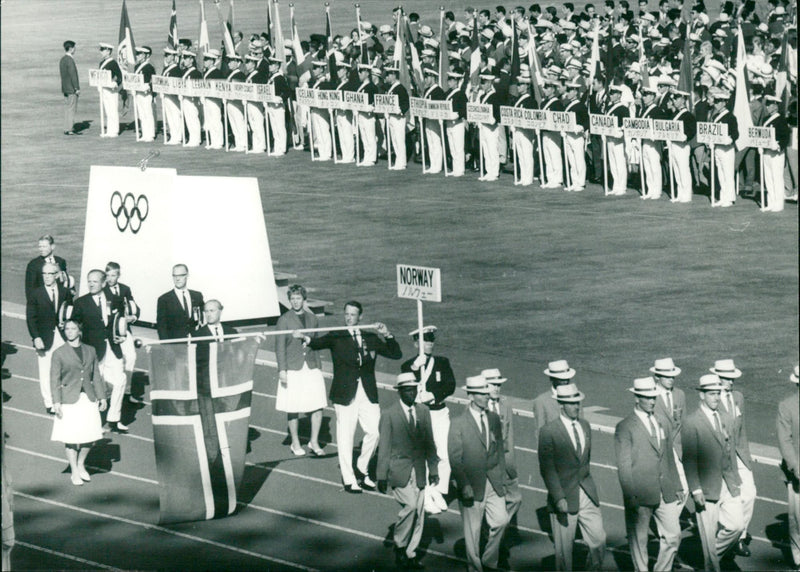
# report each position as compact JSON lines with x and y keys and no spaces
{"x":444,"y":148}
{"x":761,"y":169}
{"x":713,"y":176}
{"x":566,"y":159}
{"x":135,"y":115}
{"x":388,"y":144}
{"x":422,"y":142}
{"x":183,"y":123}
{"x":102,"y":115}
{"x":225,"y":109}
{"x":139,"y":342}
{"x":541,"y":157}
{"x":246,"y":125}
{"x":641,"y":167}
{"x":356,"y":114}
{"x":517,"y":176}
{"x":266,"y":128}
{"x":605,"y":166}
{"x":672,"y":171}
{"x":163,"y":119}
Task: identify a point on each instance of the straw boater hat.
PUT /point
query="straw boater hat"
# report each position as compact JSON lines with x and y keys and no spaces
{"x":569,"y":393}
{"x":645,"y":387}
{"x":391,"y":69}
{"x":710,"y":382}
{"x":492,"y":375}
{"x":407,"y":379}
{"x":665,"y":367}
{"x":773,"y":98}
{"x":487,"y":77}
{"x":559,"y":369}
{"x":319,"y":63}
{"x":426,"y":331}
{"x":477,"y":384}
{"x":385,"y":29}
{"x":725,"y":368}
{"x":365,"y":67}
{"x":430,"y":71}
{"x":795,"y":375}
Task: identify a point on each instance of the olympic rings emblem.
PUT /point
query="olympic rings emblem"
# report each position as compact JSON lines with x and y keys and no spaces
{"x":130,"y":211}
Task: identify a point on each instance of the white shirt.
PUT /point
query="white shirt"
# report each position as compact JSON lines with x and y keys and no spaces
{"x":646,"y":420}
{"x":712,"y":417}
{"x":568,"y":424}
{"x":181,"y":299}
{"x":481,"y":420}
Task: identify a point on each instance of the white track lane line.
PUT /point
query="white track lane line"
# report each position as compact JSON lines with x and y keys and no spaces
{"x":77,"y":559}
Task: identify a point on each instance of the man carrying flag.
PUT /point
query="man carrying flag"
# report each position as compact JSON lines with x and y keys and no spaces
{"x":320,"y":128}
{"x":191,"y":113}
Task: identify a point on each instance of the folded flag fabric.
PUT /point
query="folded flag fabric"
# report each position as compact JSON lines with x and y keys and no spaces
{"x":201,"y":396}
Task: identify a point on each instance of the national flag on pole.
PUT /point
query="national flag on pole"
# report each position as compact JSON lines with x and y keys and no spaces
{"x":594,"y":58}
{"x":268,"y":29}
{"x":741,"y":101}
{"x":227,"y":39}
{"x":444,"y":56}
{"x":609,"y":63}
{"x":203,"y":44}
{"x":333,"y":69}
{"x":513,"y":71}
{"x":643,"y":70}
{"x":474,"y":55}
{"x":277,"y":35}
{"x":416,"y":65}
{"x":303,"y":61}
{"x":535,"y":67}
{"x":362,"y":44}
{"x":125,"y":47}
{"x":685,"y":82}
{"x":201,"y":395}
{"x":403,"y":74}
{"x":172,"y":36}
{"x":230,"y":17}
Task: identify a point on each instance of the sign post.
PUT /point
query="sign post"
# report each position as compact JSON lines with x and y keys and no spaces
{"x":419,"y":283}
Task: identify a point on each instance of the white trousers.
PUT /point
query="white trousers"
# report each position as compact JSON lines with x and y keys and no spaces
{"x":321,"y":134}
{"x":720,"y":524}
{"x":637,"y":523}
{"x":397,"y":139}
{"x":502,"y":143}
{"x":617,"y":165}
{"x":493,"y":508}
{"x":45,"y":359}
{"x":490,"y":147}
{"x":237,"y":123}
{"x":774,"y":162}
{"x":551,"y":149}
{"x":344,"y":127}
{"x":172,"y":116}
{"x":748,"y":493}
{"x":113,"y":373}
{"x":590,"y":519}
{"x":144,"y":109}
{"x":255,"y":118}
{"x":440,"y":424}
{"x":212,"y":112}
{"x":724,"y":157}
{"x":369,"y":141}
{"x":651,"y":157}
{"x":411,"y":518}
{"x":679,"y":157}
{"x":575,"y":145}
{"x":110,"y":99}
{"x":433,"y":146}
{"x":191,"y":115}
{"x":277,"y":126}
{"x":523,"y":151}
{"x":361,"y":411}
{"x":455,"y":144}
{"x":794,"y":523}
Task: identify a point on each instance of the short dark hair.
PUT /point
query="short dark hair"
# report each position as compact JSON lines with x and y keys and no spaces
{"x":500,"y":10}
{"x":449,"y":15}
{"x":296,"y":289}
{"x":355,"y":304}
{"x":96,"y":271}
{"x":111,"y":265}
{"x":48,"y":237}
{"x":569,"y":6}
{"x":68,"y":45}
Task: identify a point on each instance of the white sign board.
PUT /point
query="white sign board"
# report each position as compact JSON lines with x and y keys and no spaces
{"x":419,"y":283}
{"x":712,"y":133}
{"x":761,"y":137}
{"x":148,"y":221}
{"x":604,"y":125}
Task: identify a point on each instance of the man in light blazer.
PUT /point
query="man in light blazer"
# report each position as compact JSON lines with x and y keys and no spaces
{"x":709,"y":461}
{"x":177,"y":311}
{"x":788,"y":425}
{"x":565,"y":446}
{"x":545,"y":406}
{"x":42,"y":317}
{"x":406,"y":449}
{"x":477,"y":462}
{"x":651,"y":487}
{"x":670,"y":409}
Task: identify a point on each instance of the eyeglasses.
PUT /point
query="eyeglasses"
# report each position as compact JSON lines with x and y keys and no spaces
{"x":49,"y":273}
{"x":179,"y":275}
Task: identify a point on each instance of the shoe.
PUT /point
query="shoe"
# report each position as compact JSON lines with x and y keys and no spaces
{"x":368,"y":483}
{"x":76,"y":480}
{"x":577,"y":189}
{"x":50,"y":411}
{"x":316,"y":450}
{"x":69,"y":133}
{"x":119,"y":428}
{"x":414,"y":564}
{"x":353,"y":489}
{"x":173,"y":143}
{"x":299,"y":452}
{"x":724,"y":205}
{"x":488,"y":179}
{"x":741,"y":549}
{"x":135,"y":400}
{"x":84,"y":475}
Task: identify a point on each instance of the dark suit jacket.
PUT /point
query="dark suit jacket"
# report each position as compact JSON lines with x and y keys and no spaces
{"x":647,"y":470}
{"x":171,"y":318}
{"x":33,"y":272}
{"x":95,"y":333}
{"x":68,"y":375}
{"x":42,"y":317}
{"x":69,"y":75}
{"x":672,"y":419}
{"x":563,"y":471}
{"x":735,"y":420}
{"x":346,"y":367}
{"x":289,"y":352}
{"x":402,"y":96}
{"x":205,"y":331}
{"x":471,"y":462}
{"x":788,"y":425}
{"x":401,"y":449}
{"x":125,"y":295}
{"x":441,"y":382}
{"x":708,"y":457}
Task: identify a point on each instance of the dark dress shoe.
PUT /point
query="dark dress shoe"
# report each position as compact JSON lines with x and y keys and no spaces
{"x":742,"y":549}
{"x":414,"y":564}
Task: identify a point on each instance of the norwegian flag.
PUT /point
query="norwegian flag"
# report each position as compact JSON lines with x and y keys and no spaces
{"x":201,"y":395}
{"x":125,"y":46}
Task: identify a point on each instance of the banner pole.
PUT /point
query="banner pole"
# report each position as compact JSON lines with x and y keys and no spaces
{"x":566,"y":159}
{"x":102,"y":116}
{"x":541,"y":157}
{"x":388,"y":144}
{"x":183,"y":124}
{"x":332,"y":115}
{"x":641,"y":168}
{"x":225,"y":110}
{"x":191,"y":339}
{"x":713,"y":176}
{"x":761,"y":169}
{"x":422,"y":142}
{"x":163,"y":119}
{"x":605,"y":166}
{"x":444,"y":148}
{"x":672,"y":172}
{"x":419,"y":325}
{"x":311,"y":134}
{"x":135,"y":115}
{"x":356,"y":116}
{"x":246,"y":125}
{"x":266,"y":128}
{"x":517,"y":176}
{"x":480,"y":147}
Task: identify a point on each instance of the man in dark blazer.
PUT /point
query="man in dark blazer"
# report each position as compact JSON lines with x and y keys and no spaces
{"x":709,"y":462}
{"x":131,"y":311}
{"x":353,"y":390}
{"x":406,"y":450}
{"x":99,"y":313}
{"x":545,"y":406}
{"x":212,"y":311}
{"x":177,"y":311}
{"x":477,"y":460}
{"x":649,"y":479}
{"x":788,"y":426}
{"x":33,"y":272}
{"x":437,"y":383}
{"x":42,"y":317}
{"x":565,"y":446}
{"x":70,"y":86}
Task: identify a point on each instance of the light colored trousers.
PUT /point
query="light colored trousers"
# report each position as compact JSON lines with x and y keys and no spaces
{"x":360,"y":411}
{"x":45,"y":359}
{"x":455,"y":144}
{"x":212,"y":112}
{"x":433,"y":146}
{"x":637,"y":524}
{"x":679,"y":157}
{"x":397,"y":139}
{"x":617,"y":165}
{"x":747,"y":493}
{"x":113,"y":373}
{"x":440,"y":425}
{"x":590,"y":520}
{"x":128,"y":359}
{"x":70,"y":109}
{"x":144,"y":109}
{"x":774,"y":163}
{"x":277,"y":125}
{"x":720,"y":524}
{"x":724,"y":157}
{"x":110,"y":99}
{"x":553,"y":165}
{"x":172,"y":115}
{"x":489,"y":135}
{"x":794,"y":523}
{"x":191,"y":115}
{"x":238,"y":125}
{"x":255,"y":118}
{"x":651,"y":157}
{"x":411,"y":518}
{"x":369,"y":141}
{"x":493,"y":507}
{"x":513,"y":497}
{"x":523,"y":151}
{"x":345,"y":129}
{"x":321,"y":135}
{"x":576,"y":155}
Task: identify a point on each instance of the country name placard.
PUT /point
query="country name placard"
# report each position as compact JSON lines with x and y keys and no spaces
{"x":419,"y":283}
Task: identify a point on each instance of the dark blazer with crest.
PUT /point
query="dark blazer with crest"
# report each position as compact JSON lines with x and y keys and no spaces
{"x":401,"y":448}
{"x":708,"y":457}
{"x":471,"y":463}
{"x":42,"y":317}
{"x":171,"y":319}
{"x":95,"y":333}
{"x":441,"y":382}
{"x":565,"y":472}
{"x":69,"y":375}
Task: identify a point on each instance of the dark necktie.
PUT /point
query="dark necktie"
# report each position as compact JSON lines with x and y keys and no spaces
{"x":670,"y":406}
{"x":485,"y":429}
{"x":717,"y":424}
{"x":577,"y":437}
{"x":412,"y":419}
{"x":653,"y":429}
{"x":186,"y":307}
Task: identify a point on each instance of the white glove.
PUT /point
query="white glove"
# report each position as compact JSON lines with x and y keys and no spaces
{"x":419,"y":362}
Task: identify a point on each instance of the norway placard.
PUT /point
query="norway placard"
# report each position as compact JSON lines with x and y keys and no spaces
{"x":419,"y":283}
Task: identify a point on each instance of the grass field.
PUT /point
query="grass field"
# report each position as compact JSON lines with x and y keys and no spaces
{"x":528,"y":275}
